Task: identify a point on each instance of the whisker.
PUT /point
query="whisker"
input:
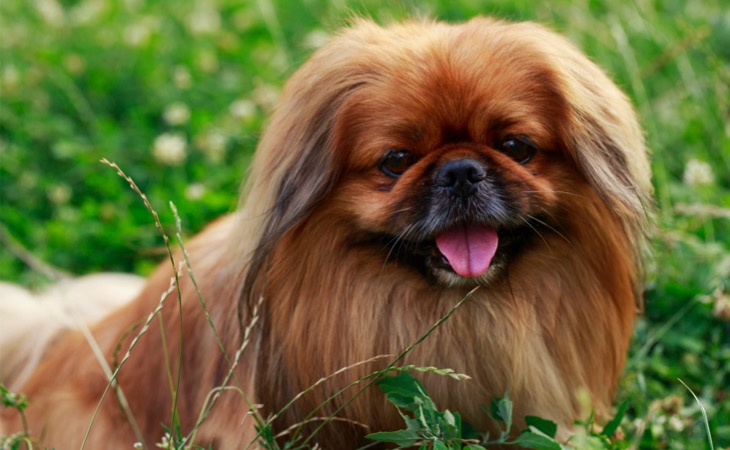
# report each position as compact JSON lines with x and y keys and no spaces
{"x":402,"y":210}
{"x":394,"y":243}
{"x":527,"y":222}
{"x":552,"y":191}
{"x":550,"y":227}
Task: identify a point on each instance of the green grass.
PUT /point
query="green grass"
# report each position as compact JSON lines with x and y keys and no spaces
{"x":86,"y":80}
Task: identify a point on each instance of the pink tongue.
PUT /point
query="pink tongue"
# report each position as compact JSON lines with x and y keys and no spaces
{"x":469,"y":249}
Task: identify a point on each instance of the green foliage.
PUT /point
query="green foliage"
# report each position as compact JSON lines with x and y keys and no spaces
{"x":429,"y":428}
{"x":442,"y":429}
{"x":18,"y":402}
{"x":13,"y":400}
{"x":176,"y":93}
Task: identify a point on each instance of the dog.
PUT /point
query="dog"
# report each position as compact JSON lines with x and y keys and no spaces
{"x":404,"y":167}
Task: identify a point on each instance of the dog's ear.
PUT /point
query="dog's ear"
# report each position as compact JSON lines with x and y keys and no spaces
{"x":601,"y":132}
{"x":297,"y":162}
{"x":607,"y":144}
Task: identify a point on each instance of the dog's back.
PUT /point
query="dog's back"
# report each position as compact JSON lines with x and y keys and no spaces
{"x":30,"y":322}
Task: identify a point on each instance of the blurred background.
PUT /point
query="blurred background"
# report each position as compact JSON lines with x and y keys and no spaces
{"x":177,"y":92}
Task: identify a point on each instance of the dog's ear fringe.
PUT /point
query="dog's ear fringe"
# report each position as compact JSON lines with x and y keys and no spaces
{"x":295,"y":165}
{"x":604,"y":162}
{"x":605,"y":140}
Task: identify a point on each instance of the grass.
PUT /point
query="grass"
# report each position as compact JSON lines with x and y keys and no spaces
{"x":177,"y":92}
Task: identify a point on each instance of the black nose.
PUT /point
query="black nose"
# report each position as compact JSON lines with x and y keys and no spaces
{"x":460,"y":176}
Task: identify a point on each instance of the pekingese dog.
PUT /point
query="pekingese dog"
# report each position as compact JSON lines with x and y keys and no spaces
{"x":403,"y":167}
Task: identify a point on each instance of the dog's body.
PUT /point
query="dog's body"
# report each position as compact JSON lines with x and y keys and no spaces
{"x":403,"y":167}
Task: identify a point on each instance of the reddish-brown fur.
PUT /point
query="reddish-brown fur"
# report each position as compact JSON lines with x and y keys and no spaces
{"x":556,"y":323}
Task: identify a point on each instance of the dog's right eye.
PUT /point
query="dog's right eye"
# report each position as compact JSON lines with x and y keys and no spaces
{"x":520,"y":148}
{"x":396,"y":162}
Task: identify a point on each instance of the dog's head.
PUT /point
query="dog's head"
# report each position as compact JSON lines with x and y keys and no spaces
{"x":451,"y":147}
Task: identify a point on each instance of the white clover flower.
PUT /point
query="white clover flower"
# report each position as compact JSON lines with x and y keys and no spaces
{"x":204,"y":20}
{"x":51,"y":11}
{"x":28,"y":180}
{"x":137,"y":35}
{"x":266,"y":95}
{"x":675,"y":423}
{"x":132,"y":5}
{"x":59,"y":194}
{"x":195,"y":191}
{"x":169,"y":149}
{"x":181,"y":77}
{"x":207,"y":61}
{"x":68,"y":214}
{"x":74,"y":63}
{"x":213,"y":145}
{"x":242,"y":109}
{"x":316,"y":39}
{"x":244,"y":18}
{"x":87,"y":11}
{"x":140,"y":32}
{"x":721,"y":305}
{"x":697,"y":173}
{"x":176,"y":113}
{"x":138,"y":446}
{"x":165,"y":442}
{"x":10,"y":78}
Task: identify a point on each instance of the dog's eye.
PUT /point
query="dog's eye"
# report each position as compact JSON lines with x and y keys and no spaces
{"x":520,"y":148}
{"x":396,"y":162}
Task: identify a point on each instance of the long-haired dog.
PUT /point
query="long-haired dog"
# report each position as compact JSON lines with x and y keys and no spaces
{"x":403,"y":167}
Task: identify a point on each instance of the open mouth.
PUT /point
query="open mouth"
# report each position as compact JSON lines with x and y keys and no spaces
{"x":463,"y":251}
{"x":468,"y":250}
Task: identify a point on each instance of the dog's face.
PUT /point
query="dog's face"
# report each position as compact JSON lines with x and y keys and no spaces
{"x":453,"y":148}
{"x":455,"y":164}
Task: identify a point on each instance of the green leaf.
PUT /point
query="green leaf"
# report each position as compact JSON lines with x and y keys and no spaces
{"x":452,"y":425}
{"x":474,"y":447}
{"x":502,"y":409}
{"x":588,"y":442}
{"x":412,"y":423}
{"x":536,"y":439}
{"x":438,"y":445}
{"x":12,"y":400}
{"x":449,"y":418}
{"x":468,"y":431}
{"x":614,"y":423}
{"x":403,"y":438}
{"x":548,"y":427}
{"x":406,"y":392}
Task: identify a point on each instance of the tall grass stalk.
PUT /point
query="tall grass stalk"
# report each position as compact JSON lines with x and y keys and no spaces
{"x":208,"y":406}
{"x":175,"y":284}
{"x":246,"y":339}
{"x":704,"y":415}
{"x":176,"y":273}
{"x":123,"y":403}
{"x":378,"y":375}
{"x":372,"y":378}
{"x":128,"y":353}
{"x":276,"y":415}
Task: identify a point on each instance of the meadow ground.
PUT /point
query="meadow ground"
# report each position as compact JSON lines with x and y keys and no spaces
{"x":177,"y":92}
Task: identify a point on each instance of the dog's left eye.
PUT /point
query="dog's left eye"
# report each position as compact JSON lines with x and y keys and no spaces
{"x":396,"y":162}
{"x":520,"y":148}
